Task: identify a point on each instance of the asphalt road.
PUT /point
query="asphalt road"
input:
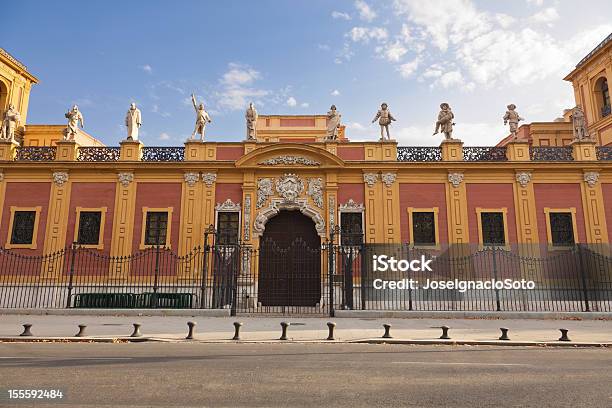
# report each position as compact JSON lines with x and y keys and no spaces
{"x":304,"y":375}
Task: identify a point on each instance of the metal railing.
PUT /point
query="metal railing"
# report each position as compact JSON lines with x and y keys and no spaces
{"x":419,"y":153}
{"x":163,"y":154}
{"x":321,"y":280}
{"x":98,"y":154}
{"x":476,"y":154}
{"x":35,"y":153}
{"x":604,"y":153}
{"x":550,"y":153}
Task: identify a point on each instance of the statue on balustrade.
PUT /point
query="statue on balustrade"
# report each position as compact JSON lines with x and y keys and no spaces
{"x":384,"y":118}
{"x":445,"y":122}
{"x":75,"y":117}
{"x":512,"y":118}
{"x":202,"y":119}
{"x":251,"y":122}
{"x":333,"y":123}
{"x":133,"y":121}
{"x":579,"y":124}
{"x":10,"y":121}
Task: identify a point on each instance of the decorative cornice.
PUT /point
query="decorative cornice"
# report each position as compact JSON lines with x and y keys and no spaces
{"x":523,"y":178}
{"x":60,"y":178}
{"x":370,"y":179}
{"x":289,"y":160}
{"x":591,"y":178}
{"x":125,"y":178}
{"x":191,"y":178}
{"x":455,"y":179}
{"x":209,"y":179}
{"x":389,"y":178}
{"x":227,"y":205}
{"x":352,"y":206}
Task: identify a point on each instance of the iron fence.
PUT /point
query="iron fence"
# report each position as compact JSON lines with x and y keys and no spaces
{"x":98,"y":153}
{"x":35,"y":153}
{"x":163,"y":154}
{"x":292,"y":278}
{"x":487,"y":153}
{"x":551,"y":153}
{"x":419,"y":153}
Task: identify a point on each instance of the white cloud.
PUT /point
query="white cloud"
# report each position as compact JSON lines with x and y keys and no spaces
{"x":356,"y":126}
{"x":408,"y":69}
{"x":340,"y":15}
{"x":323,"y":47}
{"x":365,"y":12}
{"x":472,"y":134}
{"x":535,"y":2}
{"x":304,"y":104}
{"x":237,"y":90}
{"x":239,"y":75}
{"x":547,"y":16}
{"x":345,"y":54}
{"x":147,"y":68}
{"x":291,"y":101}
{"x":335,"y":92}
{"x":393,"y":52}
{"x":365,"y":34}
{"x":164,"y":136}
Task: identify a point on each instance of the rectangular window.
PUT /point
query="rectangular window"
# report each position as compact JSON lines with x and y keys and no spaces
{"x":89,"y":227}
{"x":228,"y":227}
{"x":156,"y":228}
{"x":423,"y":228}
{"x":493,"y":230}
{"x":561,"y":228}
{"x":23,"y":227}
{"x":351,"y":229}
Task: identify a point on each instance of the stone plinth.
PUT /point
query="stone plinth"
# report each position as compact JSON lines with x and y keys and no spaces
{"x":452,"y":150}
{"x":583,"y":150}
{"x":8,"y":150}
{"x":517,"y":151}
{"x":131,"y":150}
{"x":66,"y":150}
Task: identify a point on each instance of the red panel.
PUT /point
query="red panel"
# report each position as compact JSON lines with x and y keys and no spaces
{"x":229,"y":152}
{"x":297,"y":140}
{"x":558,"y":196}
{"x":607,"y":198}
{"x":92,"y":195}
{"x":351,"y":152}
{"x":233,"y":191}
{"x":347,"y":191}
{"x":26,"y":195}
{"x":158,"y":195}
{"x":297,"y":122}
{"x":423,"y":196}
{"x":490,"y":196}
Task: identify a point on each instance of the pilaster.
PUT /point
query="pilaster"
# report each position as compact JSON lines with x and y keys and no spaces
{"x":452,"y":150}
{"x":331,"y":195}
{"x":57,"y":219}
{"x":374,"y":218}
{"x":191,"y":196}
{"x":391,"y":208}
{"x":525,"y":210}
{"x":249,"y":197}
{"x":594,"y":210}
{"x":123,"y":221}
{"x":207,"y":207}
{"x":456,"y":204}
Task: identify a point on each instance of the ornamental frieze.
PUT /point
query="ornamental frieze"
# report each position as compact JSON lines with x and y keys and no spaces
{"x":289,"y":160}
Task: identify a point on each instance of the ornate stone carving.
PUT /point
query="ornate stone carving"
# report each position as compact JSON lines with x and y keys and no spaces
{"x":370,"y":179}
{"x":455,"y":179}
{"x":125,"y":178}
{"x":75,"y":117}
{"x":352,"y":206}
{"x":315,"y":191}
{"x":591,"y":178}
{"x":445,"y":122}
{"x":202,"y":119}
{"x":133,"y":122}
{"x":247,"y":217}
{"x":289,"y":186}
{"x":10,"y":121}
{"x":289,"y":160}
{"x":523,"y":178}
{"x":332,"y":211}
{"x":278,"y":204}
{"x":264,"y":190}
{"x":333,"y":123}
{"x":60,"y":178}
{"x":209,"y":179}
{"x":191,"y":178}
{"x":251,"y":122}
{"x":384,"y":118}
{"x":228,"y":205}
{"x":579,"y":124}
{"x":512,"y":118}
{"x":389,"y":178}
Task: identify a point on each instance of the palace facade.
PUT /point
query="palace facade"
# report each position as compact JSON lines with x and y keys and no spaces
{"x":546,"y":188}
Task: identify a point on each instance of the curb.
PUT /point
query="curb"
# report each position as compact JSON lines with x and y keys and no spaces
{"x":484,"y":343}
{"x":72,"y":339}
{"x":377,"y":314}
{"x":119,"y":312}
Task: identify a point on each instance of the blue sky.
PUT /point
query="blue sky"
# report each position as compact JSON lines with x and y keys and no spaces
{"x":299,"y":57}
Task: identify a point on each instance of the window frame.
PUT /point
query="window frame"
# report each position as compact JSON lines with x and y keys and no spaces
{"x":347,"y":211}
{"x":435,"y":211}
{"x":37,"y":210}
{"x":77,"y":223}
{"x":225,"y":207}
{"x":168,"y":242}
{"x":547,"y":212}
{"x":238,"y":235}
{"x":504,"y":212}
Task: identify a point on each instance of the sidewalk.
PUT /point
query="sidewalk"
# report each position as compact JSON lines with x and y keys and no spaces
{"x":307,"y":329}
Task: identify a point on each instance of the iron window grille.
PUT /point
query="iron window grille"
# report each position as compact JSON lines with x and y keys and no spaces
{"x":351,"y":228}
{"x":23,"y":227}
{"x":228,"y":227}
{"x":493,"y":232}
{"x":89,"y":227}
{"x":156,"y":228}
{"x":561,"y":229}
{"x":423,"y":228}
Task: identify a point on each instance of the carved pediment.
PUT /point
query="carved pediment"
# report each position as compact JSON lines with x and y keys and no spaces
{"x":290,"y":156}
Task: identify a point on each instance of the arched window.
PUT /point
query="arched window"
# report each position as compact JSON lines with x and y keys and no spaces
{"x":602,"y":97}
{"x":3,"y":98}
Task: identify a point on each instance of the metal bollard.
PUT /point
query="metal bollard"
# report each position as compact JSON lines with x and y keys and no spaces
{"x":387,"y":334}
{"x":284,"y":326}
{"x":81,"y":332}
{"x":136,"y":332}
{"x":504,"y":335}
{"x":26,"y":330}
{"x":564,"y":335}
{"x":237,"y":326}
{"x":191,"y":325}
{"x":331,"y":326}
{"x":445,"y":335}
